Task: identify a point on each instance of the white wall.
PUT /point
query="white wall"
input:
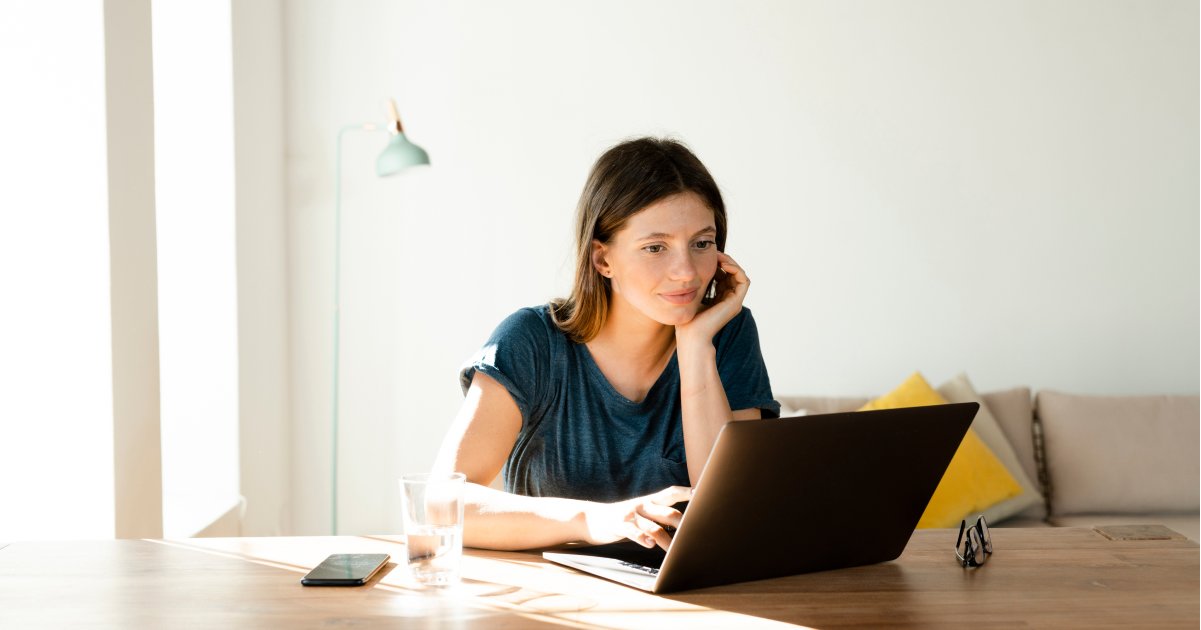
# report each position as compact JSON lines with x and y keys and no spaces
{"x":1006,"y":188}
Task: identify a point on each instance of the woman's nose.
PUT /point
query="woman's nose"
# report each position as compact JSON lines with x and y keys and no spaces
{"x":683,"y":267}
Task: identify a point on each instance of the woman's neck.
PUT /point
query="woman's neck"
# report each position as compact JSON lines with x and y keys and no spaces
{"x":640,"y":340}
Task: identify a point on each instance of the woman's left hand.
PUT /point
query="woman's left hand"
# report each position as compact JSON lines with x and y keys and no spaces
{"x":731,"y":291}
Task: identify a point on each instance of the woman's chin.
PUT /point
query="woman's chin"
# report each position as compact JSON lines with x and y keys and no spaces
{"x":668,"y":314}
{"x":679,"y":315}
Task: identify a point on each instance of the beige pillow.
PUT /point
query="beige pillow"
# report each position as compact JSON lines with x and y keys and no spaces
{"x":1014,"y":411}
{"x":1121,"y":454}
{"x":959,"y":390}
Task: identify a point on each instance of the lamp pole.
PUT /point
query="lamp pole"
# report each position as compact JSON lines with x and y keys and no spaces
{"x":338,"y":318}
{"x":397,"y":156}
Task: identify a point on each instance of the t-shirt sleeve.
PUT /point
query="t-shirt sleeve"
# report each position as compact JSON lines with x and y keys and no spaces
{"x":515,"y":356}
{"x":740,"y":365}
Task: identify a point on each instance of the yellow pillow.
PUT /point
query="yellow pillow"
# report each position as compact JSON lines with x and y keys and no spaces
{"x":975,"y":480}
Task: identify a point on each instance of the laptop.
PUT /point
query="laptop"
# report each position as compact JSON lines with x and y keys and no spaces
{"x":795,"y":495}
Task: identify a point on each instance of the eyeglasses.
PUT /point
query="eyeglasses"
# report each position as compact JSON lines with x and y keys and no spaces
{"x":975,"y":547}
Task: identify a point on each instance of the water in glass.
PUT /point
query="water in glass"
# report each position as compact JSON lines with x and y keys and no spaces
{"x":435,"y":553}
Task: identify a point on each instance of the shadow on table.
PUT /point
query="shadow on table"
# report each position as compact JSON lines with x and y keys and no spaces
{"x":819,"y":599}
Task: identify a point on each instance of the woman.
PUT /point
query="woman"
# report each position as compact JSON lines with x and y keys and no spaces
{"x":602,"y":408}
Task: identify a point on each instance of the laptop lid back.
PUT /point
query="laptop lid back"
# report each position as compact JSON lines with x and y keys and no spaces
{"x":795,"y":495}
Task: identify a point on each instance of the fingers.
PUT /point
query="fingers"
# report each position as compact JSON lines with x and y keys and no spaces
{"x":645,"y":532}
{"x":645,"y":523}
{"x":735,"y":284}
{"x":645,"y":519}
{"x":652,"y":533}
{"x":671,"y":495}
{"x":728,"y":265}
{"x":660,"y":514}
{"x":654,"y":513}
{"x":631,"y":530}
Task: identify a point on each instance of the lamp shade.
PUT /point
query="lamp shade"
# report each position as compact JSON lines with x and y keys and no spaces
{"x":399,"y":155}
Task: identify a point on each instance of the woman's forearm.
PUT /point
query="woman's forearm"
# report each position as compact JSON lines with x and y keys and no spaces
{"x":498,"y":520}
{"x":703,"y":402}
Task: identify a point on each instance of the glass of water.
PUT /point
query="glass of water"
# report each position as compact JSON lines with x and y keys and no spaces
{"x":433,"y":521}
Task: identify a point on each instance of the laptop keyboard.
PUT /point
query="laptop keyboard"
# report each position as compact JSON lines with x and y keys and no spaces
{"x":640,"y":568}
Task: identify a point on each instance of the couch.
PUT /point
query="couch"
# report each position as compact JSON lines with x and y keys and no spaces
{"x":1094,"y":460}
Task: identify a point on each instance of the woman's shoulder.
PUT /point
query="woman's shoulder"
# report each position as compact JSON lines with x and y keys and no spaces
{"x":534,"y":324}
{"x":518,"y":353}
{"x":529,"y":319}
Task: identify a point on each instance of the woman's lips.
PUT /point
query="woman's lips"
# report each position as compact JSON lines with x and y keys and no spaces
{"x":679,"y":298}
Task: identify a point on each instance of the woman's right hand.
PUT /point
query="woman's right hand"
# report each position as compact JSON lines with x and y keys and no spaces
{"x":641,"y":519}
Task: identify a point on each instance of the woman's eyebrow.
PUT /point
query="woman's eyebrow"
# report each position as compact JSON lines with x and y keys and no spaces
{"x":655,"y":235}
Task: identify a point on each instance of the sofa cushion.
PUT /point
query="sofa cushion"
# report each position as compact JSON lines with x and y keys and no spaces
{"x":1121,"y":454}
{"x":975,"y":479}
{"x":959,"y":390}
{"x":810,"y":405}
{"x":1014,"y":412}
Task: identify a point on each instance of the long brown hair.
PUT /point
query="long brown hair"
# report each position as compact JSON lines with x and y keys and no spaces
{"x":626,"y":179}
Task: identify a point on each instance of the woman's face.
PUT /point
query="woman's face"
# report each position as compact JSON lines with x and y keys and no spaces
{"x":661,"y":262}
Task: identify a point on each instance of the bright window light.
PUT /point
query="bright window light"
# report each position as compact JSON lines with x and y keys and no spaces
{"x":56,"y":401}
{"x":197,"y":282}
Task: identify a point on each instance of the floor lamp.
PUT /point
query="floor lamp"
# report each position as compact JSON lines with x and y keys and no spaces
{"x":399,"y":155}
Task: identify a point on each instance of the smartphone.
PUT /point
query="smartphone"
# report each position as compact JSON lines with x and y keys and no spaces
{"x":718,"y":286}
{"x":346,"y":569}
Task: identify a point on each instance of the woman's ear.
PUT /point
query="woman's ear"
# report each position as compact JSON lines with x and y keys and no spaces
{"x":599,"y":261}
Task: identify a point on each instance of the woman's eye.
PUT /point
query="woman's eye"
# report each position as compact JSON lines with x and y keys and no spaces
{"x":704,"y":244}
{"x":653,"y":249}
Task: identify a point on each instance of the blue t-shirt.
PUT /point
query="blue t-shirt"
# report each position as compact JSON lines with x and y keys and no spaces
{"x":579,"y":437}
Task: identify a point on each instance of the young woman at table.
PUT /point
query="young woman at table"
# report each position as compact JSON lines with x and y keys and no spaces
{"x":601,"y":409}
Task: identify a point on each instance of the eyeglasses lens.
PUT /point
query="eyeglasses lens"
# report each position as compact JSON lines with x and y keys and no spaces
{"x":985,"y":537}
{"x":976,"y":552}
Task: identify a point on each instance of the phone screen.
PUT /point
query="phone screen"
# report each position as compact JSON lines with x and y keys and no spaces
{"x":345,"y":569}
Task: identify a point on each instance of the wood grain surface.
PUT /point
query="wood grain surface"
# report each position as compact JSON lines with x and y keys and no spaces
{"x":1045,"y":577}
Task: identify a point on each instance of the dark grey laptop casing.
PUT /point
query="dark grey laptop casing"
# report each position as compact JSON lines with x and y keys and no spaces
{"x":794,"y":495}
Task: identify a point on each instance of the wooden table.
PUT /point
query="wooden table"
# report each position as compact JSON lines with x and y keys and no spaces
{"x":1037,"y":577}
